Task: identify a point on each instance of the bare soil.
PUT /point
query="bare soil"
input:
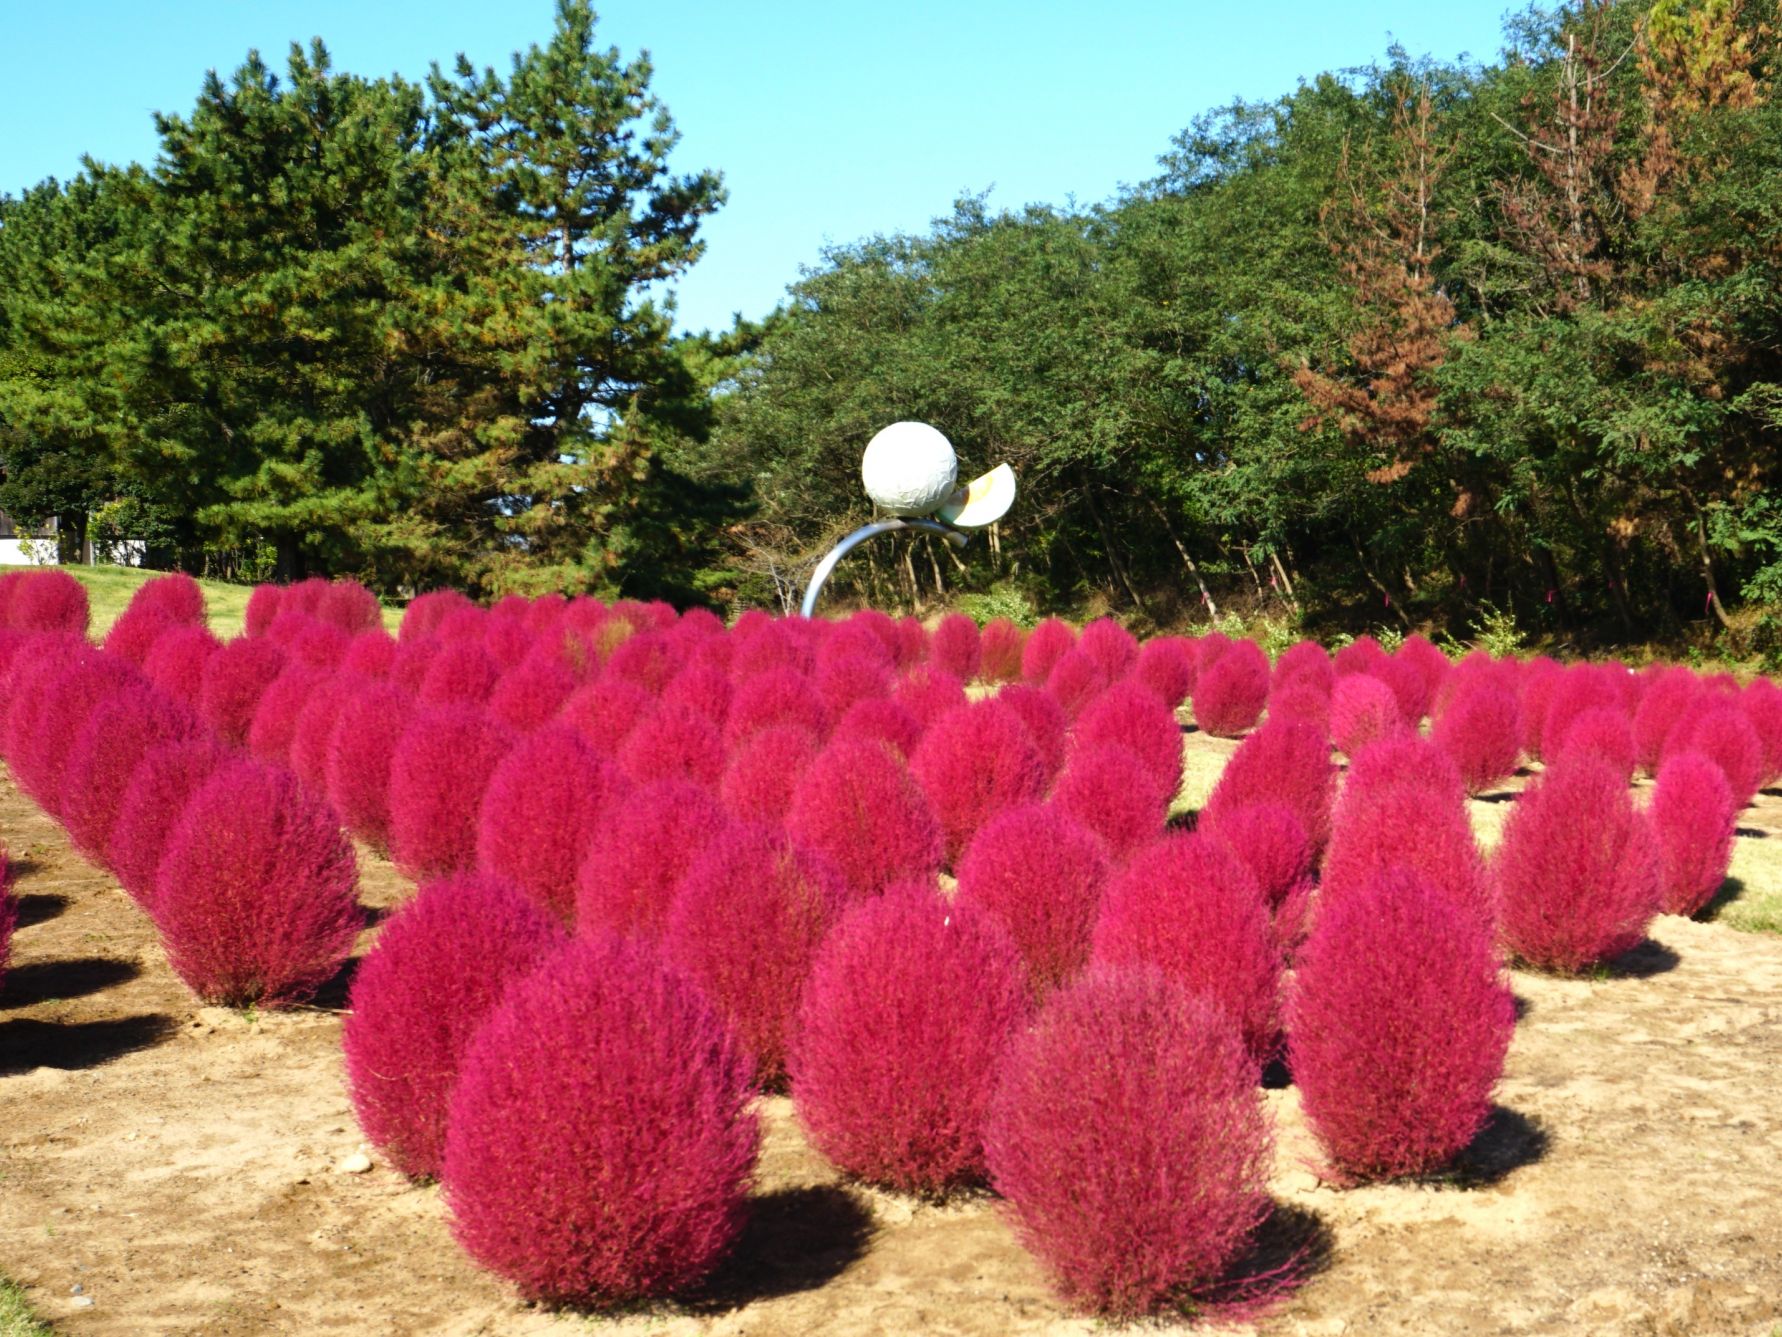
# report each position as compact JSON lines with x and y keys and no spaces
{"x":178,"y":1164}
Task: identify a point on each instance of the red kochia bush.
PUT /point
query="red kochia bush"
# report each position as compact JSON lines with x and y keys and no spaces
{"x":1762,"y":703}
{"x":426,"y":611}
{"x":1398,"y":1026}
{"x":152,"y":801}
{"x":1076,"y":680}
{"x":257,"y":894}
{"x":371,"y":655}
{"x":436,"y":971}
{"x":1719,"y":730}
{"x":1268,"y":840}
{"x":234,"y":679}
{"x":776,"y":696}
{"x":1128,"y":1136}
{"x":1110,"y":645}
{"x":308,"y":755}
{"x":1304,"y":661}
{"x":350,"y":606}
{"x":263,"y":606}
{"x":1422,"y":828}
{"x":356,"y":770}
{"x":1185,"y":905}
{"x":121,"y":730}
{"x":1477,"y":732}
{"x":1694,"y":819}
{"x":49,"y":600}
{"x":462,"y":672}
{"x":539,"y":814}
{"x":1577,"y":872}
{"x":638,"y":854}
{"x":758,"y":781}
{"x":999,"y":650}
{"x":745,"y":925}
{"x":1046,"y":722}
{"x":1165,"y":666}
{"x":42,"y":727}
{"x":1665,"y":701}
{"x":1362,"y":709}
{"x":605,"y":712}
{"x":704,"y":689}
{"x":841,"y":681}
{"x":176,"y":662}
{"x":275,"y":717}
{"x":911,"y":1004}
{"x":879,"y":720}
{"x":532,"y":692}
{"x":954,"y":646}
{"x":1129,"y":716}
{"x":928,"y":693}
{"x":673,"y":743}
{"x":859,"y":807}
{"x":600,"y":1139}
{"x":438,"y":773}
{"x":1045,"y":645}
{"x":1108,"y":790}
{"x":1284,"y":762}
{"x":135,"y":632}
{"x":175,"y":596}
{"x":1229,"y":694}
{"x":1601,"y":731}
{"x":1040,"y":873}
{"x":974,"y":762}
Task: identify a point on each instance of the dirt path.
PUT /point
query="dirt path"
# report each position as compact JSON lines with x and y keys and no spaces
{"x":177,"y":1164}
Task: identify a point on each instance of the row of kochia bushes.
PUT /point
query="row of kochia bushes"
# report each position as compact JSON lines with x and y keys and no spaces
{"x":666,"y":864}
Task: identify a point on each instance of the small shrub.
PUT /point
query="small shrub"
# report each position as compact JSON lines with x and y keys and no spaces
{"x":314,"y":731}
{"x":1284,"y":762}
{"x":1110,"y":645}
{"x":1045,"y":645}
{"x":438,"y":773}
{"x":600,"y":1140}
{"x":1129,"y":716}
{"x":1108,"y":790}
{"x":954,"y":646}
{"x":1410,"y":689}
{"x":49,"y":600}
{"x":1185,"y":905}
{"x":777,"y":696}
{"x":175,"y":596}
{"x":1666,"y":700}
{"x":1719,"y":730}
{"x":1165,"y":667}
{"x":1541,"y":682}
{"x":1046,"y":722}
{"x":1577,"y":872}
{"x":275,"y":716}
{"x":645,"y":658}
{"x":1762,"y":703}
{"x":1431,"y":664}
{"x":462,"y":673}
{"x":152,"y":802}
{"x":361,"y":746}
{"x":1600,"y":731}
{"x":703,"y":689}
{"x":859,"y":807}
{"x":1364,"y":654}
{"x":1301,"y":701}
{"x":371,"y":655}
{"x":1129,"y":1139}
{"x":843,"y":681}
{"x":312,"y":641}
{"x":1399,"y":1023}
{"x":928,"y":693}
{"x":350,"y":606}
{"x":976,"y":761}
{"x":1077,"y":679}
{"x":879,"y":720}
{"x":426,"y":611}
{"x":530,"y":694}
{"x":436,"y":972}
{"x":1270,"y":841}
{"x":1000,"y":646}
{"x":1412,"y":826}
{"x":1304,"y":661}
{"x":745,"y":926}
{"x":1478,"y":733}
{"x":638,"y":854}
{"x":1401,"y":761}
{"x":605,"y":712}
{"x":673,"y":743}
{"x":1230,"y":693}
{"x":257,"y":893}
{"x":42,"y":726}
{"x":1694,"y":820}
{"x":232,"y":683}
{"x":121,"y":730}
{"x":544,"y":800}
{"x":759,"y":779}
{"x":263,"y":607}
{"x":135,"y":632}
{"x":1040,"y":873}
{"x":1362,"y":710}
{"x":176,"y":662}
{"x":910,"y":1006}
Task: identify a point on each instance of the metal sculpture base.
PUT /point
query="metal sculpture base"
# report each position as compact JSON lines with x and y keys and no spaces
{"x":859,"y":536}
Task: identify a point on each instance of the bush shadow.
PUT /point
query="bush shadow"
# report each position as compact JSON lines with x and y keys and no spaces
{"x":1730,"y":890}
{"x":1289,"y":1249}
{"x":26,"y":1043}
{"x":797,"y":1239}
{"x":40,"y":981}
{"x":1752,"y":833}
{"x":1508,"y":1141}
{"x":1643,"y":962}
{"x":40,"y":907}
{"x":1523,"y":1006}
{"x":332,"y":996}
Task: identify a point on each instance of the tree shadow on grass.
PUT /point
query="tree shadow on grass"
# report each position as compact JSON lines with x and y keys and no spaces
{"x":1643,"y":962}
{"x":40,"y":907}
{"x":797,"y":1239}
{"x":40,"y":981}
{"x":26,"y":1043}
{"x":1508,"y":1141}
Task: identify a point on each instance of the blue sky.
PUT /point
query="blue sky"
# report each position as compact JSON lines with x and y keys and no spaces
{"x":830,"y":121}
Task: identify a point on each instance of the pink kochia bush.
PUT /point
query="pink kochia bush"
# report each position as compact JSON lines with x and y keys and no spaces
{"x":1284,"y":762}
{"x":1577,"y":873}
{"x":954,"y":646}
{"x":858,"y":807}
{"x":119,"y":732}
{"x":1129,"y":716}
{"x":539,"y":813}
{"x":1362,"y":709}
{"x":1109,"y":791}
{"x":746,"y":923}
{"x":437,"y":970}
{"x":1041,"y":874}
{"x":233,"y":681}
{"x":1694,"y":819}
{"x":1477,"y":731}
{"x":152,"y":801}
{"x":1229,"y":694}
{"x":999,"y":651}
{"x":1762,"y":703}
{"x":1165,"y":666}
{"x":438,"y":773}
{"x":911,"y":1004}
{"x":1045,"y":645}
{"x":176,"y":663}
{"x":1398,"y":1026}
{"x":1128,"y":1136}
{"x":975,"y":761}
{"x":759,"y":779}
{"x":638,"y":854}
{"x":1720,"y":731}
{"x":356,"y":771}
{"x":1269,"y":840}
{"x":49,"y":600}
{"x":1186,"y":905}
{"x":600,"y":1139}
{"x":256,"y":896}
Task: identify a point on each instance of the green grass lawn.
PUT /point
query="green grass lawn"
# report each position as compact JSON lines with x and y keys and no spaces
{"x":109,"y":589}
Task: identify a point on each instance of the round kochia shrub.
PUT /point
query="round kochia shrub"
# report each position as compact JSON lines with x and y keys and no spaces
{"x":275,"y":717}
{"x":233,"y":681}
{"x":1398,"y":1026}
{"x":1577,"y":873}
{"x":1128,"y":1136}
{"x":1478,"y":732}
{"x":758,"y":781}
{"x":954,"y":646}
{"x":999,"y":650}
{"x":1109,"y":791}
{"x":256,"y":897}
{"x":746,"y":923}
{"x":1045,"y":645}
{"x":41,"y":728}
{"x":1407,"y":826}
{"x":436,"y":971}
{"x":356,"y":770}
{"x":539,"y":813}
{"x":152,"y":801}
{"x":118,"y":734}
{"x":1165,"y":667}
{"x":1040,"y":873}
{"x":600,"y":1139}
{"x":1283,"y":762}
{"x":1720,"y":731}
{"x":638,"y":854}
{"x":1363,"y":709}
{"x":438,"y":773}
{"x":976,"y":761}
{"x":1762,"y":704}
{"x":858,"y":807}
{"x":910,"y":1006}
{"x":49,"y":600}
{"x":176,"y":662}
{"x":175,"y":596}
{"x":1694,"y":818}
{"x":1130,"y":716}
{"x":1229,"y":693}
{"x":673,"y":743}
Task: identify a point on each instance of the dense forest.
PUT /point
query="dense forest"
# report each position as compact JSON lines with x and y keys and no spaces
{"x":1406,"y":345}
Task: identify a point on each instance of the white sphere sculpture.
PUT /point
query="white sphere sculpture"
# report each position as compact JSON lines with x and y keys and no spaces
{"x":909,"y":468}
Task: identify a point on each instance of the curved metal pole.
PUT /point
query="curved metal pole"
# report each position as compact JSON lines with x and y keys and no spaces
{"x":859,"y":536}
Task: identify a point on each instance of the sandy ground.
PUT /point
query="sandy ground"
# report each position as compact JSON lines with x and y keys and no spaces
{"x":177,"y":1164}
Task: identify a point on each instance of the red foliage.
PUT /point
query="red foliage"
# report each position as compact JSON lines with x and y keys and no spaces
{"x":174,"y":596}
{"x":1600,"y":731}
{"x":601,"y":1139}
{"x":153,"y":799}
{"x":530,"y":694}
{"x":1406,"y":825}
{"x":1541,"y":681}
{"x":605,"y":712}
{"x":176,"y":662}
{"x":356,"y":771}
{"x":233,"y":681}
{"x":436,"y":972}
{"x":1694,"y":820}
{"x":673,"y":743}
{"x":1403,"y":761}
{"x":1287,"y":763}
{"x":1715,"y":727}
{"x":702,"y":688}
{"x":1040,"y":873}
{"x":413,"y":657}
{"x":910,"y":1007}
{"x":1301,"y":701}
{"x":1399,"y":1023}
{"x":275,"y":717}
{"x":1230,"y":693}
{"x":1000,"y":644}
{"x":975,"y":761}
{"x":1409,"y":688}
{"x":1185,"y":905}
{"x":928,"y":693}
{"x":438,"y":772}
{"x":539,"y":813}
{"x":1130,"y":1141}
{"x":1166,"y":667}
{"x":1362,"y":655}
{"x":263,"y":607}
{"x":1583,"y":688}
{"x":1045,"y":645}
{"x":121,"y":730}
{"x":1477,"y":731}
{"x":646,"y":659}
{"x":1110,"y":645}
{"x":1269,"y":840}
{"x":1667,"y":698}
{"x":879,"y":720}
{"x":859,"y":807}
{"x":1577,"y":873}
{"x":638,"y":854}
{"x":1046,"y":722}
{"x":745,"y":926}
{"x":1431,"y":665}
{"x":1129,"y":716}
{"x":1762,"y":703}
{"x":1107,"y":789}
{"x":135,"y":632}
{"x":1304,"y":662}
{"x":843,"y":680}
{"x":1076,"y":680}
{"x":461,"y":673}
{"x":311,"y":641}
{"x":350,"y":606}
{"x":49,"y":600}
{"x":1362,"y":709}
{"x":54,"y":696}
{"x":776,"y":696}
{"x":426,"y":611}
{"x":759,"y":779}
{"x":257,"y":893}
{"x":954,"y":646}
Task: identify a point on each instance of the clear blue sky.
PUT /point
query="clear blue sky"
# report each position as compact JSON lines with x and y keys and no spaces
{"x":830,"y":121}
